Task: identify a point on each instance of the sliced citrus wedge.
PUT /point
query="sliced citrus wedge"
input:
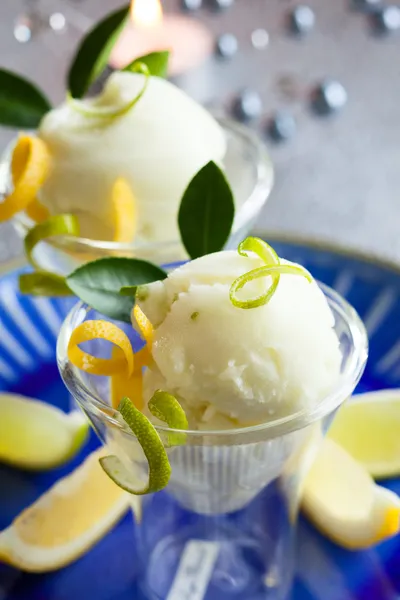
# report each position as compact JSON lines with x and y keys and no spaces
{"x":66,"y":521}
{"x":30,"y":164}
{"x":98,"y":329}
{"x":124,"y":211}
{"x":36,"y":435}
{"x":342,"y":500}
{"x":368,"y":427}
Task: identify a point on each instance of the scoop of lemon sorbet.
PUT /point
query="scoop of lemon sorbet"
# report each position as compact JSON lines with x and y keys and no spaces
{"x":156,"y":146}
{"x":230,"y":366}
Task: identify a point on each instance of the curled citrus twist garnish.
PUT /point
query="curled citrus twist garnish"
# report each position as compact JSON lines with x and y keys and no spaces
{"x":122,"y":385}
{"x":124,"y":211}
{"x":37,"y":211}
{"x":165,"y":407}
{"x":146,"y":328}
{"x":54,"y":226}
{"x":272,"y":269}
{"x":90,"y":330}
{"x":30,"y":164}
{"x":104,"y":112}
{"x":259,"y":247}
{"x":41,"y":283}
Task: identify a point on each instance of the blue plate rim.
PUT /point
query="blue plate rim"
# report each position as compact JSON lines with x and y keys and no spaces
{"x":326,"y":245}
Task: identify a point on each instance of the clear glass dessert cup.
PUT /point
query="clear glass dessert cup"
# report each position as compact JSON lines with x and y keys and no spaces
{"x":225,"y":525}
{"x":248,"y":169}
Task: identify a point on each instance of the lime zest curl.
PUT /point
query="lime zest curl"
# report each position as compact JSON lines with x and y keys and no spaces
{"x":272,"y":269}
{"x":259,"y":247}
{"x":111,"y":113}
{"x":165,"y":407}
{"x":41,"y":283}
{"x":57,"y":225}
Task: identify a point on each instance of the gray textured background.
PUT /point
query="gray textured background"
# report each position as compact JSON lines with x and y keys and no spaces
{"x":339,"y":179}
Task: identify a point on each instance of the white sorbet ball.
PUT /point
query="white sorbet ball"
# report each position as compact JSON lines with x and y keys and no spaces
{"x":157,"y":146}
{"x":246,"y":365}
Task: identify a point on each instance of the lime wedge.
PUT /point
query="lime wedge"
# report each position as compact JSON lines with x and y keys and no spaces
{"x":368,"y":428}
{"x":35,"y":435}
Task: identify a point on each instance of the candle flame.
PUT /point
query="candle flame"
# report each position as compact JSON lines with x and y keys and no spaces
{"x":146,"y":13}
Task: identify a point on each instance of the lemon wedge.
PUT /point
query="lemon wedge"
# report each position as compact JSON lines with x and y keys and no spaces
{"x":368,"y":427}
{"x":36,"y":435}
{"x":343,"y":502}
{"x":65,"y":521}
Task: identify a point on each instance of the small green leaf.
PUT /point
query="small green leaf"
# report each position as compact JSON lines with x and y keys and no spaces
{"x":157,"y":63}
{"x":98,"y":283}
{"x":42,"y":283}
{"x":206,"y":212}
{"x":93,"y":53}
{"x":22,"y":104}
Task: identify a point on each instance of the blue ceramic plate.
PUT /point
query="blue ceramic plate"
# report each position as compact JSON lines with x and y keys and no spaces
{"x":28,"y":334}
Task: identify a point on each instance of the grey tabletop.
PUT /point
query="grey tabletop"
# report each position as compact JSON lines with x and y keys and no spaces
{"x":338,"y":177}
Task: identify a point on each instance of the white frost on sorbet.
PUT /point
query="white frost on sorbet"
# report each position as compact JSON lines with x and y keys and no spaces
{"x":245,"y":365}
{"x":157,"y":146}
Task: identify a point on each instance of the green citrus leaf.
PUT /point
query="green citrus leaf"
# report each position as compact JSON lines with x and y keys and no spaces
{"x":206,"y":212}
{"x":54,"y":226}
{"x":22,"y":104}
{"x":42,"y":283}
{"x":93,"y":53}
{"x":148,"y":438}
{"x":98,"y":283}
{"x":156,"y":62}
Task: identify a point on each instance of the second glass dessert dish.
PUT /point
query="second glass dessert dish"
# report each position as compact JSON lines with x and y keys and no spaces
{"x":246,"y":359}
{"x":120,"y":163}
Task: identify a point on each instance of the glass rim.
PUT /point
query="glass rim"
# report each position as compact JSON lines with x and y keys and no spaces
{"x":263,"y":184}
{"x":277,"y":427}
